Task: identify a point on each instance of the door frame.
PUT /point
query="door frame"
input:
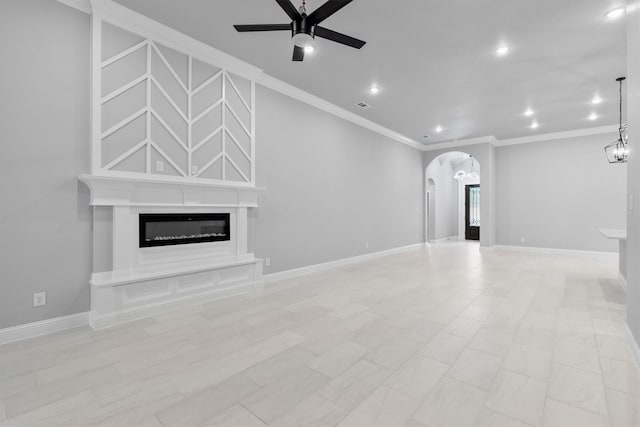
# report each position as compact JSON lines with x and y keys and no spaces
{"x":469,"y":232}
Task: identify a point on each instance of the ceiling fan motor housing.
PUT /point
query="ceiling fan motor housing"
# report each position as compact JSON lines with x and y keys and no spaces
{"x":301,"y":26}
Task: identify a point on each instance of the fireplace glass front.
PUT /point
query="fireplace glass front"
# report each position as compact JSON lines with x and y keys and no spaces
{"x":180,"y":229}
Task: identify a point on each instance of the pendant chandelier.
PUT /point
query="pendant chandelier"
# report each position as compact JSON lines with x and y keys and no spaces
{"x":471,"y":173}
{"x":617,"y":151}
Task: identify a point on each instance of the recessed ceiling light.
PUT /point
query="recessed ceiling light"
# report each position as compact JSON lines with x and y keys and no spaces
{"x":596,"y":100}
{"x":616,"y":13}
{"x":374,"y":90}
{"x":309,"y":49}
{"x":593,"y":116}
{"x":528,"y":112}
{"x":534,"y":125}
{"x":426,"y":136}
{"x":502,"y":50}
{"x":439,"y":129}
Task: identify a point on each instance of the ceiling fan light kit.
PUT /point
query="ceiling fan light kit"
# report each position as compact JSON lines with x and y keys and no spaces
{"x":304,"y":28}
{"x":303,"y":40}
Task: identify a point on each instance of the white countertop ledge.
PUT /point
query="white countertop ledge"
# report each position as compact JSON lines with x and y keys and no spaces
{"x":614,"y":233}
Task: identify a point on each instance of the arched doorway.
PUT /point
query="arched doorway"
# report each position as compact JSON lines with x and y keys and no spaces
{"x":452,"y":197}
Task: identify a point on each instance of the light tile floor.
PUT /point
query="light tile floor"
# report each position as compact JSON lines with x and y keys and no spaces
{"x":441,"y":336}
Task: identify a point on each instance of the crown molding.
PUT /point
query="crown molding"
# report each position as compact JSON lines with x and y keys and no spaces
{"x":315,"y":101}
{"x":489,"y":139}
{"x":600,"y":130}
{"x":558,"y":135}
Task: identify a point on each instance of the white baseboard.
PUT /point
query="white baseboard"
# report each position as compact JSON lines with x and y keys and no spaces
{"x":43,"y":327}
{"x":633,"y":345}
{"x":309,"y":269}
{"x":551,"y":251}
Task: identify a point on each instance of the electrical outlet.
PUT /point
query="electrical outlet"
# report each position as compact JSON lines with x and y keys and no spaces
{"x":522,"y":239}
{"x":39,"y":298}
{"x":366,"y":245}
{"x":267,"y":261}
{"x":159,"y":166}
{"x":194,"y":170}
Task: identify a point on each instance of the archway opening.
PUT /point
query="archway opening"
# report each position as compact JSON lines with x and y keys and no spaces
{"x":452,"y":199}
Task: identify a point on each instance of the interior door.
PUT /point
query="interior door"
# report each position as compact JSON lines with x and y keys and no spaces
{"x":472,"y":212}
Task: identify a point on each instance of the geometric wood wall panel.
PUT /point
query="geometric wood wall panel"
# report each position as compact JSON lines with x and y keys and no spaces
{"x":163,"y":112}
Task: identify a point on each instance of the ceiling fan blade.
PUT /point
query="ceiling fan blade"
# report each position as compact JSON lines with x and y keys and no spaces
{"x":262,"y":27}
{"x":334,"y":36}
{"x":289,"y":9}
{"x":326,"y":10}
{"x":298,"y":53}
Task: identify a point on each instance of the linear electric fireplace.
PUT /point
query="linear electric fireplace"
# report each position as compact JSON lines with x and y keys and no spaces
{"x":181,"y":229}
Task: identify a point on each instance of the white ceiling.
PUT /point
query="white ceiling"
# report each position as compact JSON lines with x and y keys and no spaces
{"x":435,"y":60}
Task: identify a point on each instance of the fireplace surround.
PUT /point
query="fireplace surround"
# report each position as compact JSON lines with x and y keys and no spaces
{"x":141,"y":281}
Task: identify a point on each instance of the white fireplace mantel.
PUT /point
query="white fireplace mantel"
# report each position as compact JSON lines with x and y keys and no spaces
{"x":152,"y":191}
{"x":145,"y":281}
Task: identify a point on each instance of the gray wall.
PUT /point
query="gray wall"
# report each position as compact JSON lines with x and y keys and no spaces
{"x":556,"y":194}
{"x":633,"y":169}
{"x":332,"y":186}
{"x":45,"y":219}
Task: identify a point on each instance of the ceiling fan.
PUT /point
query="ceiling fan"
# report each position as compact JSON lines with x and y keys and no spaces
{"x":304,"y":28}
